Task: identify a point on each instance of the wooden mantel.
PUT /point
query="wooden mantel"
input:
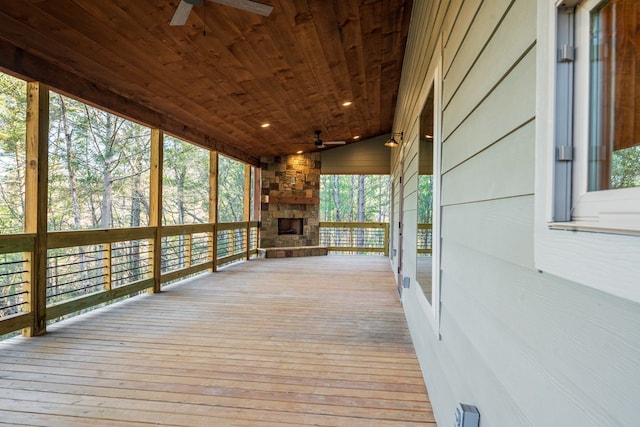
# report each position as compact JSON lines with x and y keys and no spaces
{"x":294,"y":200}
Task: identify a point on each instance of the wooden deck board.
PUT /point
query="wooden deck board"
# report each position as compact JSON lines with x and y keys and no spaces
{"x":294,"y":341}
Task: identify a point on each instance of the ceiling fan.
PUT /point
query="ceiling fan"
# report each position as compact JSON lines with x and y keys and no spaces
{"x":319,"y":143}
{"x":185,"y":6}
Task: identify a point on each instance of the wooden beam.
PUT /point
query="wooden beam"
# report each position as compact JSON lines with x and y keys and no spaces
{"x":247,"y":208}
{"x":36,"y":187}
{"x":155,"y":206}
{"x":247,"y":193}
{"x":257,"y":192}
{"x":294,"y":200}
{"x":213,"y":186}
{"x":213,"y":207}
{"x":32,"y":67}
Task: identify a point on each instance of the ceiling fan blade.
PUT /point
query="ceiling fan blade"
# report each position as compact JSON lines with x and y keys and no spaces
{"x":248,"y":5}
{"x":181,"y":14}
{"x":335,"y":142}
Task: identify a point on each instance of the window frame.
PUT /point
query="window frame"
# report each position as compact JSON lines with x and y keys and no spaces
{"x":433,"y":79}
{"x":609,"y":211}
{"x":598,"y":254}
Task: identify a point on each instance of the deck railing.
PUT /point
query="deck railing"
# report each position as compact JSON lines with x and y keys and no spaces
{"x":424,"y":238}
{"x":91,"y":267}
{"x":355,"y":237}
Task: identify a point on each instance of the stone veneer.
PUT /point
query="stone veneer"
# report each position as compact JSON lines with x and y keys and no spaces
{"x":290,"y":188}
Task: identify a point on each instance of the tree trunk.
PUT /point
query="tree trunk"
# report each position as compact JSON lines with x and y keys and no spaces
{"x":71,"y":173}
{"x":336,"y":197}
{"x":181,"y":176}
{"x":134,"y":251}
{"x":73,"y":185}
{"x":361,"y":207}
{"x":106,"y":220}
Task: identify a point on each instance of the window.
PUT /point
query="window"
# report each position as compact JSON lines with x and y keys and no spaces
{"x":587,"y":206}
{"x":597,"y":164}
{"x":614,"y":104}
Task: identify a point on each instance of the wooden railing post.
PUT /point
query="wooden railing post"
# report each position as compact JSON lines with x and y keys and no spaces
{"x":213,"y":208}
{"x":187,"y":250}
{"x":247,"y":206}
{"x":386,"y":239}
{"x":155,"y":207}
{"x":36,"y":188}
{"x":106,"y":266}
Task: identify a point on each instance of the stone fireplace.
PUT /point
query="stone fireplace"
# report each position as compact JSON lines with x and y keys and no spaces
{"x":290,"y":202}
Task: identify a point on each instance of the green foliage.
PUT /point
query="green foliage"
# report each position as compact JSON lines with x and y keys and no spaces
{"x":13,"y":111}
{"x":425,"y":199}
{"x":98,"y":168}
{"x":625,"y":168}
{"x":231,"y":190}
{"x":351,"y":198}
{"x":185,"y":184}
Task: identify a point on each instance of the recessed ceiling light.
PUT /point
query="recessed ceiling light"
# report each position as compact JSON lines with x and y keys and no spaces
{"x":356,"y":137}
{"x":265,"y":125}
{"x":299,"y":152}
{"x":346,"y":103}
{"x":428,"y":136}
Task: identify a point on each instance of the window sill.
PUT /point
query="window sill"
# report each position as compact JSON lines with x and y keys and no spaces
{"x":594,"y":227}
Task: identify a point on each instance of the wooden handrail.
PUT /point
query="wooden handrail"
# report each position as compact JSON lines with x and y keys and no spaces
{"x":12,"y":243}
{"x":183,"y":229}
{"x":69,"y":239}
{"x":221,"y":226}
{"x":354,"y":224}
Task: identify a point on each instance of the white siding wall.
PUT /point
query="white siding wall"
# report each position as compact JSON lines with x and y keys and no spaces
{"x":525,"y":347}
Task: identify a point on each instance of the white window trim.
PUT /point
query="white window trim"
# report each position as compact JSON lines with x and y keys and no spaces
{"x":433,"y":77}
{"x":601,"y":260}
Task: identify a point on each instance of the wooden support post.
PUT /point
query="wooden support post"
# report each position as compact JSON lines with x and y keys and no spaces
{"x":247,"y":207}
{"x":36,"y":188}
{"x":155,"y":206}
{"x":213,"y":208}
{"x":257,"y":194}
{"x":386,"y":239}
{"x":106,"y":266}
{"x":187,"y":250}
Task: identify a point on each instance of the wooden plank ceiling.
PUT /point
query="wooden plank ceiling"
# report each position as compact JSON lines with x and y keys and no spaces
{"x":217,"y":79}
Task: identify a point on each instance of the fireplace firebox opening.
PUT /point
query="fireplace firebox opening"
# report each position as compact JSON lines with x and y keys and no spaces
{"x":290,"y":226}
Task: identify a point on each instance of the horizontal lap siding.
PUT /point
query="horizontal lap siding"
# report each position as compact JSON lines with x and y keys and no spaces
{"x":526,"y":347}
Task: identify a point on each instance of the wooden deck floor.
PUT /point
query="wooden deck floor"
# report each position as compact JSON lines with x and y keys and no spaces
{"x":297,"y":341}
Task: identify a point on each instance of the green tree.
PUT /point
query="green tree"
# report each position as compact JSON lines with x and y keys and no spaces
{"x":13,"y":105}
{"x":230,"y":190}
{"x":625,"y":168}
{"x":363,"y":198}
{"x":185,"y":183}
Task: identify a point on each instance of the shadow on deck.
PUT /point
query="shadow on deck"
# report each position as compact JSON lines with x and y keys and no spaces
{"x":294,"y":341}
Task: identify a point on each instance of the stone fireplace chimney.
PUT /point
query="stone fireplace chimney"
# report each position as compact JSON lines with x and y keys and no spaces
{"x":290,"y":195}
